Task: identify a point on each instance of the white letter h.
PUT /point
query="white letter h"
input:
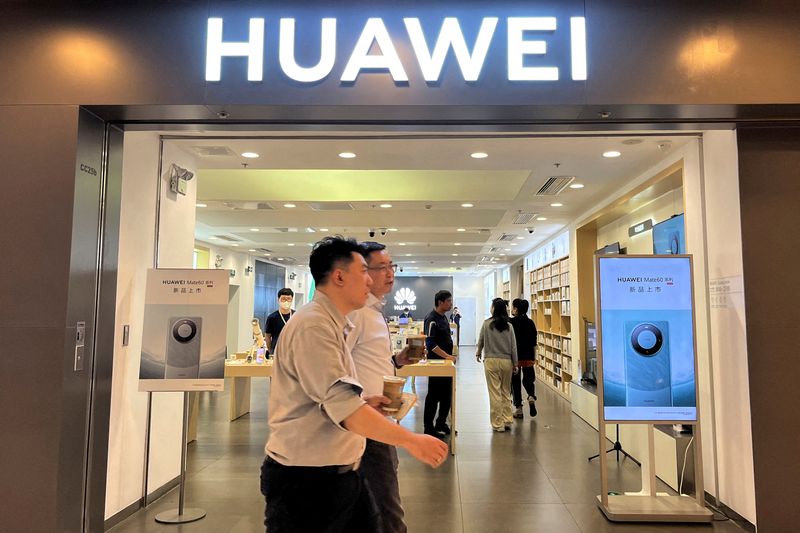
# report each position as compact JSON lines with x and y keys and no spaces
{"x":253,"y":50}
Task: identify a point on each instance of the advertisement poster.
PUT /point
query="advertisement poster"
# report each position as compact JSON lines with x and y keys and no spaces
{"x":185,"y":321}
{"x":647,"y":338}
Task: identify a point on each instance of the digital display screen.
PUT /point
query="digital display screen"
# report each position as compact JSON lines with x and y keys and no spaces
{"x":647,"y":339}
{"x":669,"y":237}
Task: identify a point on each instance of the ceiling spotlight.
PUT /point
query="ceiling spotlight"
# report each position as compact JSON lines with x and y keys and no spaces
{"x":251,"y":250}
{"x":412,"y":262}
{"x":454,"y":255}
{"x":576,"y":186}
{"x":201,"y":205}
{"x":289,"y":206}
{"x":250,"y":155}
{"x":541,"y":219}
{"x":267,"y":255}
{"x":456,"y":244}
{"x":280,"y":259}
{"x":323,"y":229}
{"x":408,"y":255}
{"x":234,"y":244}
{"x":391,"y":229}
{"x":347,"y":155}
{"x":611,"y":154}
{"x":453,"y":262}
{"x":557,"y":204}
{"x":401,"y":243}
{"x":520,"y":238}
{"x":467,"y":205}
{"x":291,"y":244}
{"x":461,"y":229}
{"x":479,"y":155}
{"x":212,"y":238}
{"x":502,"y":255}
{"x":513,"y":244}
{"x":386,"y":206}
{"x":254,"y":229}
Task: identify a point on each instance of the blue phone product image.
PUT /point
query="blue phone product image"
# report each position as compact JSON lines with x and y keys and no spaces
{"x":669,"y":236}
{"x":183,"y":348}
{"x":648,"y":369}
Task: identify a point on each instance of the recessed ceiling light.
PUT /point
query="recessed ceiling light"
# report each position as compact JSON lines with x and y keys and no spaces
{"x":454,"y":255}
{"x":291,"y":244}
{"x":254,"y":229}
{"x":250,"y":155}
{"x":453,"y":262}
{"x":386,"y":206}
{"x":280,"y":259}
{"x":412,"y":262}
{"x":401,"y":243}
{"x":267,"y":255}
{"x":577,"y":186}
{"x":502,"y":255}
{"x":289,"y":206}
{"x":507,"y":249}
{"x":513,"y":244}
{"x":347,"y":155}
{"x":408,"y":255}
{"x":201,"y":205}
{"x":557,"y":204}
{"x":520,"y":238}
{"x":212,"y":238}
{"x":467,"y":205}
{"x":479,"y":155}
{"x":324,"y":229}
{"x":461,"y":229}
{"x":234,"y":244}
{"x":251,"y":250}
{"x":456,"y":244}
{"x":391,"y":229}
{"x":611,"y":154}
{"x":541,"y":218}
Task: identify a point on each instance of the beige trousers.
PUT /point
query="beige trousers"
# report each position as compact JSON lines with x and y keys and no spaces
{"x":498,"y":379}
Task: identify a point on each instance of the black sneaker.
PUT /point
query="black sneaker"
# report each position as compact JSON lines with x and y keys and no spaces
{"x":444,"y":428}
{"x":533,"y":408}
{"x":434,"y":433}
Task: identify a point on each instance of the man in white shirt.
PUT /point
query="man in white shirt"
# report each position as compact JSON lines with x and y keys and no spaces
{"x":371,"y":347}
{"x":317,"y":418}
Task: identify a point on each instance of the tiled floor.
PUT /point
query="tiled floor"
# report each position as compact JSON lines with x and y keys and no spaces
{"x":534,"y":479}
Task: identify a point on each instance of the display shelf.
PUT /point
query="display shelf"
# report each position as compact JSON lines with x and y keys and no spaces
{"x":551,"y":311}
{"x":507,"y":291}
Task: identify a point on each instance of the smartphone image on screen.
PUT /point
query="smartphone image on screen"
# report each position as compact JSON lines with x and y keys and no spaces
{"x":648,"y":380}
{"x":183,"y":348}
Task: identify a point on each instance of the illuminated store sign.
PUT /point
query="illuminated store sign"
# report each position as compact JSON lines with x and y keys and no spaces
{"x":520,"y":39}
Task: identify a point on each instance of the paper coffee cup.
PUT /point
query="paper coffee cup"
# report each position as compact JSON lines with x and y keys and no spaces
{"x":393,"y":389}
{"x":417,"y":347}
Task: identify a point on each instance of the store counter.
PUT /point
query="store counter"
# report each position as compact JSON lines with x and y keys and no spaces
{"x":240,"y":373}
{"x":439,"y":368}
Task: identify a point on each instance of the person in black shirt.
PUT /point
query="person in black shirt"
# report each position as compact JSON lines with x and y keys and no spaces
{"x":439,"y":343}
{"x":278,"y":319}
{"x":525,"y":333}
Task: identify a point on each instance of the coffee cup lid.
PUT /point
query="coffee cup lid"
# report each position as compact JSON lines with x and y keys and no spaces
{"x":394,"y":379}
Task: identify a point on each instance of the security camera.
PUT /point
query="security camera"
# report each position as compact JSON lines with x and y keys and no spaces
{"x":401,"y":269}
{"x":383,"y":231}
{"x":371,"y":232}
{"x":531,"y":230}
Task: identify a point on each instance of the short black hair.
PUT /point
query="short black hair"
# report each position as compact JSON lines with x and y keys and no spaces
{"x":286,"y":291}
{"x":521,"y":305}
{"x":441,"y":296}
{"x":367,"y":247}
{"x":328,"y":253}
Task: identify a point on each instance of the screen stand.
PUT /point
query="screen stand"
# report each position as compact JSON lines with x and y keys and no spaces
{"x":182,"y":515}
{"x":617,"y":447}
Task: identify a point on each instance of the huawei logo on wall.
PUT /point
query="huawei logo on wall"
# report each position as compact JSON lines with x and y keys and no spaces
{"x":405,"y":295}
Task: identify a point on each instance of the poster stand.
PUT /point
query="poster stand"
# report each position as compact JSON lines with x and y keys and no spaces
{"x":182,"y":515}
{"x":648,"y":505}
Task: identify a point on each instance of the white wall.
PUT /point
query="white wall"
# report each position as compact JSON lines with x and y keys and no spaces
{"x":127,"y":431}
{"x":728,"y":324}
{"x":465,"y":286}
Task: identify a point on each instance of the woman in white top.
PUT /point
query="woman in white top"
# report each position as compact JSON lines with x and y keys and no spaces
{"x":498,"y":347}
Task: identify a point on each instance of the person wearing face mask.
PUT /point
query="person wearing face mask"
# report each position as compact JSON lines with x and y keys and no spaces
{"x":278,"y":319}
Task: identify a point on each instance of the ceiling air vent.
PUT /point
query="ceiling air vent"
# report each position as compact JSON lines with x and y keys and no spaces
{"x":330,"y":206}
{"x":554,"y":185}
{"x":524,"y":218}
{"x":505,"y":237}
{"x":213,"y":151}
{"x":227,"y":238}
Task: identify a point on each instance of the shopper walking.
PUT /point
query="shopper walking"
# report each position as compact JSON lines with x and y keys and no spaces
{"x":371,"y":346}
{"x":318,"y":420}
{"x":439,"y":343}
{"x":498,"y":347}
{"x":525,"y":333}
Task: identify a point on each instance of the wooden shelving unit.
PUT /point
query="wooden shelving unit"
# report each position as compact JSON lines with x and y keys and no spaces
{"x":551,"y":308}
{"x":507,"y":291}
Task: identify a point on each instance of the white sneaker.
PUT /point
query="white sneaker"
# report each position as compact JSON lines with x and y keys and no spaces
{"x":499,"y":430}
{"x":518,"y":412}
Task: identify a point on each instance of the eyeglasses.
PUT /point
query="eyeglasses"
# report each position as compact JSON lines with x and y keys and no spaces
{"x":384,"y":268}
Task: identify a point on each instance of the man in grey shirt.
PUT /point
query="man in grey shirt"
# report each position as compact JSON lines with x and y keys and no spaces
{"x":317,"y":418}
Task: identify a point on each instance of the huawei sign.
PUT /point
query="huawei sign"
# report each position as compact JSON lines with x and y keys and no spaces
{"x":405,"y":295}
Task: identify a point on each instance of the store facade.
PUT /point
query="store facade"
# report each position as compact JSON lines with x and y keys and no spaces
{"x":74,"y":81}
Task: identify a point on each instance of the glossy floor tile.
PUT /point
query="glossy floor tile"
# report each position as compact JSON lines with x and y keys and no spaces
{"x":535,"y":478}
